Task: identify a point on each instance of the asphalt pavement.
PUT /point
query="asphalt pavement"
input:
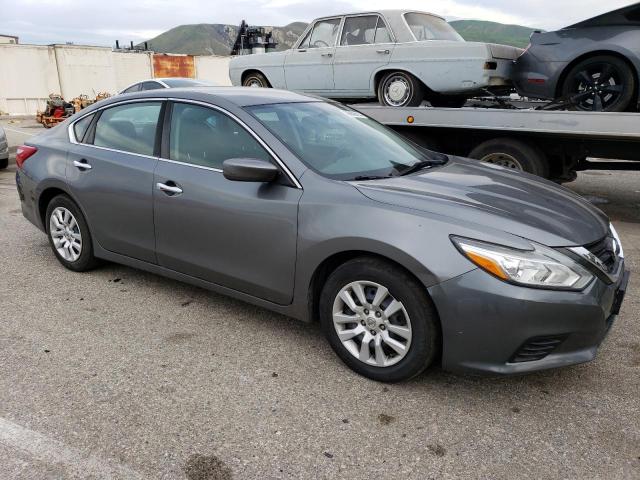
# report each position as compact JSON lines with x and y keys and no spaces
{"x":122,"y":374}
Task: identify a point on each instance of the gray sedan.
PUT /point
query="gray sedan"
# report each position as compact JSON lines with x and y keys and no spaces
{"x":405,"y":256}
{"x":4,"y":149}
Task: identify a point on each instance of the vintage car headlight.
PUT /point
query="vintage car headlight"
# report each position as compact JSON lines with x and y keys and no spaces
{"x":540,"y":267}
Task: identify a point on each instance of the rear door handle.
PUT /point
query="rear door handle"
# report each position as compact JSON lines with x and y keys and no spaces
{"x":82,"y":164}
{"x":326,"y":55}
{"x":383,"y":51}
{"x":169,"y":189}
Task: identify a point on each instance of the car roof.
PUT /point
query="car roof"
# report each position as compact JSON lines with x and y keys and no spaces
{"x":388,"y":13}
{"x":240,"y":96}
{"x":629,"y":15}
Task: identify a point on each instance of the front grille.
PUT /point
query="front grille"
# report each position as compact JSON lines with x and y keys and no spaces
{"x":536,"y":349}
{"x":606,"y":251}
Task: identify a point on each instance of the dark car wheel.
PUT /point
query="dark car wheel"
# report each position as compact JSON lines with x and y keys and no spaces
{"x":256,"y":80}
{"x":448,"y":101}
{"x":400,"y":89}
{"x":600,"y":84}
{"x":512,"y":154}
{"x":69,"y":235}
{"x":4,"y":163}
{"x":379,"y":320}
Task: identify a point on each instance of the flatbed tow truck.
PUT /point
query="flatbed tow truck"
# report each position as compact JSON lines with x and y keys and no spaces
{"x":554,"y":144}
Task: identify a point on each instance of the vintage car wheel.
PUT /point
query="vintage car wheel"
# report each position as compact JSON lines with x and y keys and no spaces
{"x":256,"y":80}
{"x":512,"y":154}
{"x":400,"y":89}
{"x":379,"y":320}
{"x":600,"y":84}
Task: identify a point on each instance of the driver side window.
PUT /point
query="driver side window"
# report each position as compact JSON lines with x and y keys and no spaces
{"x":324,"y":34}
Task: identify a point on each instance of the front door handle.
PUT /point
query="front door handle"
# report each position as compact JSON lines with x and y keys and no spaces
{"x":82,"y":164}
{"x":386,"y":52}
{"x":169,"y":189}
{"x":326,"y":55}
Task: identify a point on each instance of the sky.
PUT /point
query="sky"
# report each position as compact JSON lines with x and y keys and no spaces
{"x":91,"y":22}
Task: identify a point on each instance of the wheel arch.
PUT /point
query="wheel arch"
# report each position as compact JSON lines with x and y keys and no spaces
{"x":322,"y":271}
{"x":595,"y":53}
{"x":379,"y":74}
{"x":48,"y":193}
{"x":249,"y":71}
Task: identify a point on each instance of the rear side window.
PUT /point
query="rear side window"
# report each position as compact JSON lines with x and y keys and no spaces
{"x":132,"y":88}
{"x":151,"y":86}
{"x":80,"y":128}
{"x":206,"y":137}
{"x":129,"y":128}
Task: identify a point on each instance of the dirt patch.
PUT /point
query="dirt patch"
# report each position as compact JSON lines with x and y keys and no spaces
{"x":178,"y":337}
{"x":385,"y":419}
{"x":437,"y":450}
{"x":206,"y":467}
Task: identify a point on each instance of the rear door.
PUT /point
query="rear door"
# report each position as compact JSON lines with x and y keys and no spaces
{"x":241,"y":235}
{"x":365,"y":46}
{"x":309,"y":68}
{"x":110,"y":172}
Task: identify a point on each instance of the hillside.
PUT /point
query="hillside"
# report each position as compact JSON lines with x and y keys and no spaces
{"x":217,"y":39}
{"x":492,"y":32}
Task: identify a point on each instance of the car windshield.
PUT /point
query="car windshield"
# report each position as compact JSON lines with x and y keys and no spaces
{"x":428,"y":27}
{"x":341,"y":143}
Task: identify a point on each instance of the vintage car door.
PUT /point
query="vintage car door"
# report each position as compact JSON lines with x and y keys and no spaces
{"x":365,"y":46}
{"x":309,"y":67}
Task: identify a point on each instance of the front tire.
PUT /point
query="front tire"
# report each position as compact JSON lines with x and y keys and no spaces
{"x":400,"y":89}
{"x":256,"y":80}
{"x":600,"y":84}
{"x":379,"y":320}
{"x":69,"y":235}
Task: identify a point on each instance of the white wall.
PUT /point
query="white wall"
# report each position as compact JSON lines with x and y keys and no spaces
{"x":28,"y":74}
{"x":214,"y":69}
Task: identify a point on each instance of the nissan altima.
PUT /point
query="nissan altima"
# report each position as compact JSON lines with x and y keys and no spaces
{"x":406,"y":257}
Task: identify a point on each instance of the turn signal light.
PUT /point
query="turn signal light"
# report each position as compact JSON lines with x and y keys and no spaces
{"x":24,"y":152}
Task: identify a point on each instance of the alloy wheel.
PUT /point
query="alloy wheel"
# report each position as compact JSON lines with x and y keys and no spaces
{"x":372,"y":324}
{"x":65,"y":233}
{"x":597,"y":87}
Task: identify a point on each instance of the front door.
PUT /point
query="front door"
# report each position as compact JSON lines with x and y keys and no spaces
{"x":235,"y":234}
{"x":309,"y":67}
{"x":110,"y":172}
{"x":365,"y":46}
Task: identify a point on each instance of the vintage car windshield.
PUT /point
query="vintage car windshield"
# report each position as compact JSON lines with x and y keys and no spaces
{"x":339,"y":142}
{"x":428,"y":27}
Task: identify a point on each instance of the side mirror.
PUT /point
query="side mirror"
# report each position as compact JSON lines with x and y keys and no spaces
{"x":249,"y":170}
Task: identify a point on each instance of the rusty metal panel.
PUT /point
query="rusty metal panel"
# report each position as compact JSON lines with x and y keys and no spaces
{"x":174,"y":66}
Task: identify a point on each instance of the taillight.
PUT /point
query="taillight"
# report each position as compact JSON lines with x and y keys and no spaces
{"x":24,"y":152}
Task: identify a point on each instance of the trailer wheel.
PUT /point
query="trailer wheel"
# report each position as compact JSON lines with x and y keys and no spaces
{"x":514,"y":154}
{"x":448,"y":101}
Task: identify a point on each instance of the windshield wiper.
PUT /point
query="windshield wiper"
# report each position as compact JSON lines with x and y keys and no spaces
{"x":371,"y":177}
{"x":421,"y":165}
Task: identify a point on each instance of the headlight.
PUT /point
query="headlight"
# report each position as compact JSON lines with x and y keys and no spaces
{"x":540,"y":267}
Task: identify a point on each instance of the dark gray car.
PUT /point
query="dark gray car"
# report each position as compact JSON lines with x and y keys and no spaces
{"x":4,"y":149}
{"x":406,"y":257}
{"x":594,"y":65}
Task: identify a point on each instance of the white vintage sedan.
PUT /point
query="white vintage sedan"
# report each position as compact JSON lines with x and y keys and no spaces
{"x":399,"y":57}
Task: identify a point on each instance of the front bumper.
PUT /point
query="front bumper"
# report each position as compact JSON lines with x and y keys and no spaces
{"x":487,"y":323}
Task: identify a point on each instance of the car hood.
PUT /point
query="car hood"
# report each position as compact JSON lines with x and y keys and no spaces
{"x":493,"y":197}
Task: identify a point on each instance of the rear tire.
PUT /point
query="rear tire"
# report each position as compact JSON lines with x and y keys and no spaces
{"x":413,"y":324}
{"x":601,"y":84}
{"x":400,"y":89}
{"x":69,"y":235}
{"x":513,"y":154}
{"x":4,"y":163}
{"x":256,"y":80}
